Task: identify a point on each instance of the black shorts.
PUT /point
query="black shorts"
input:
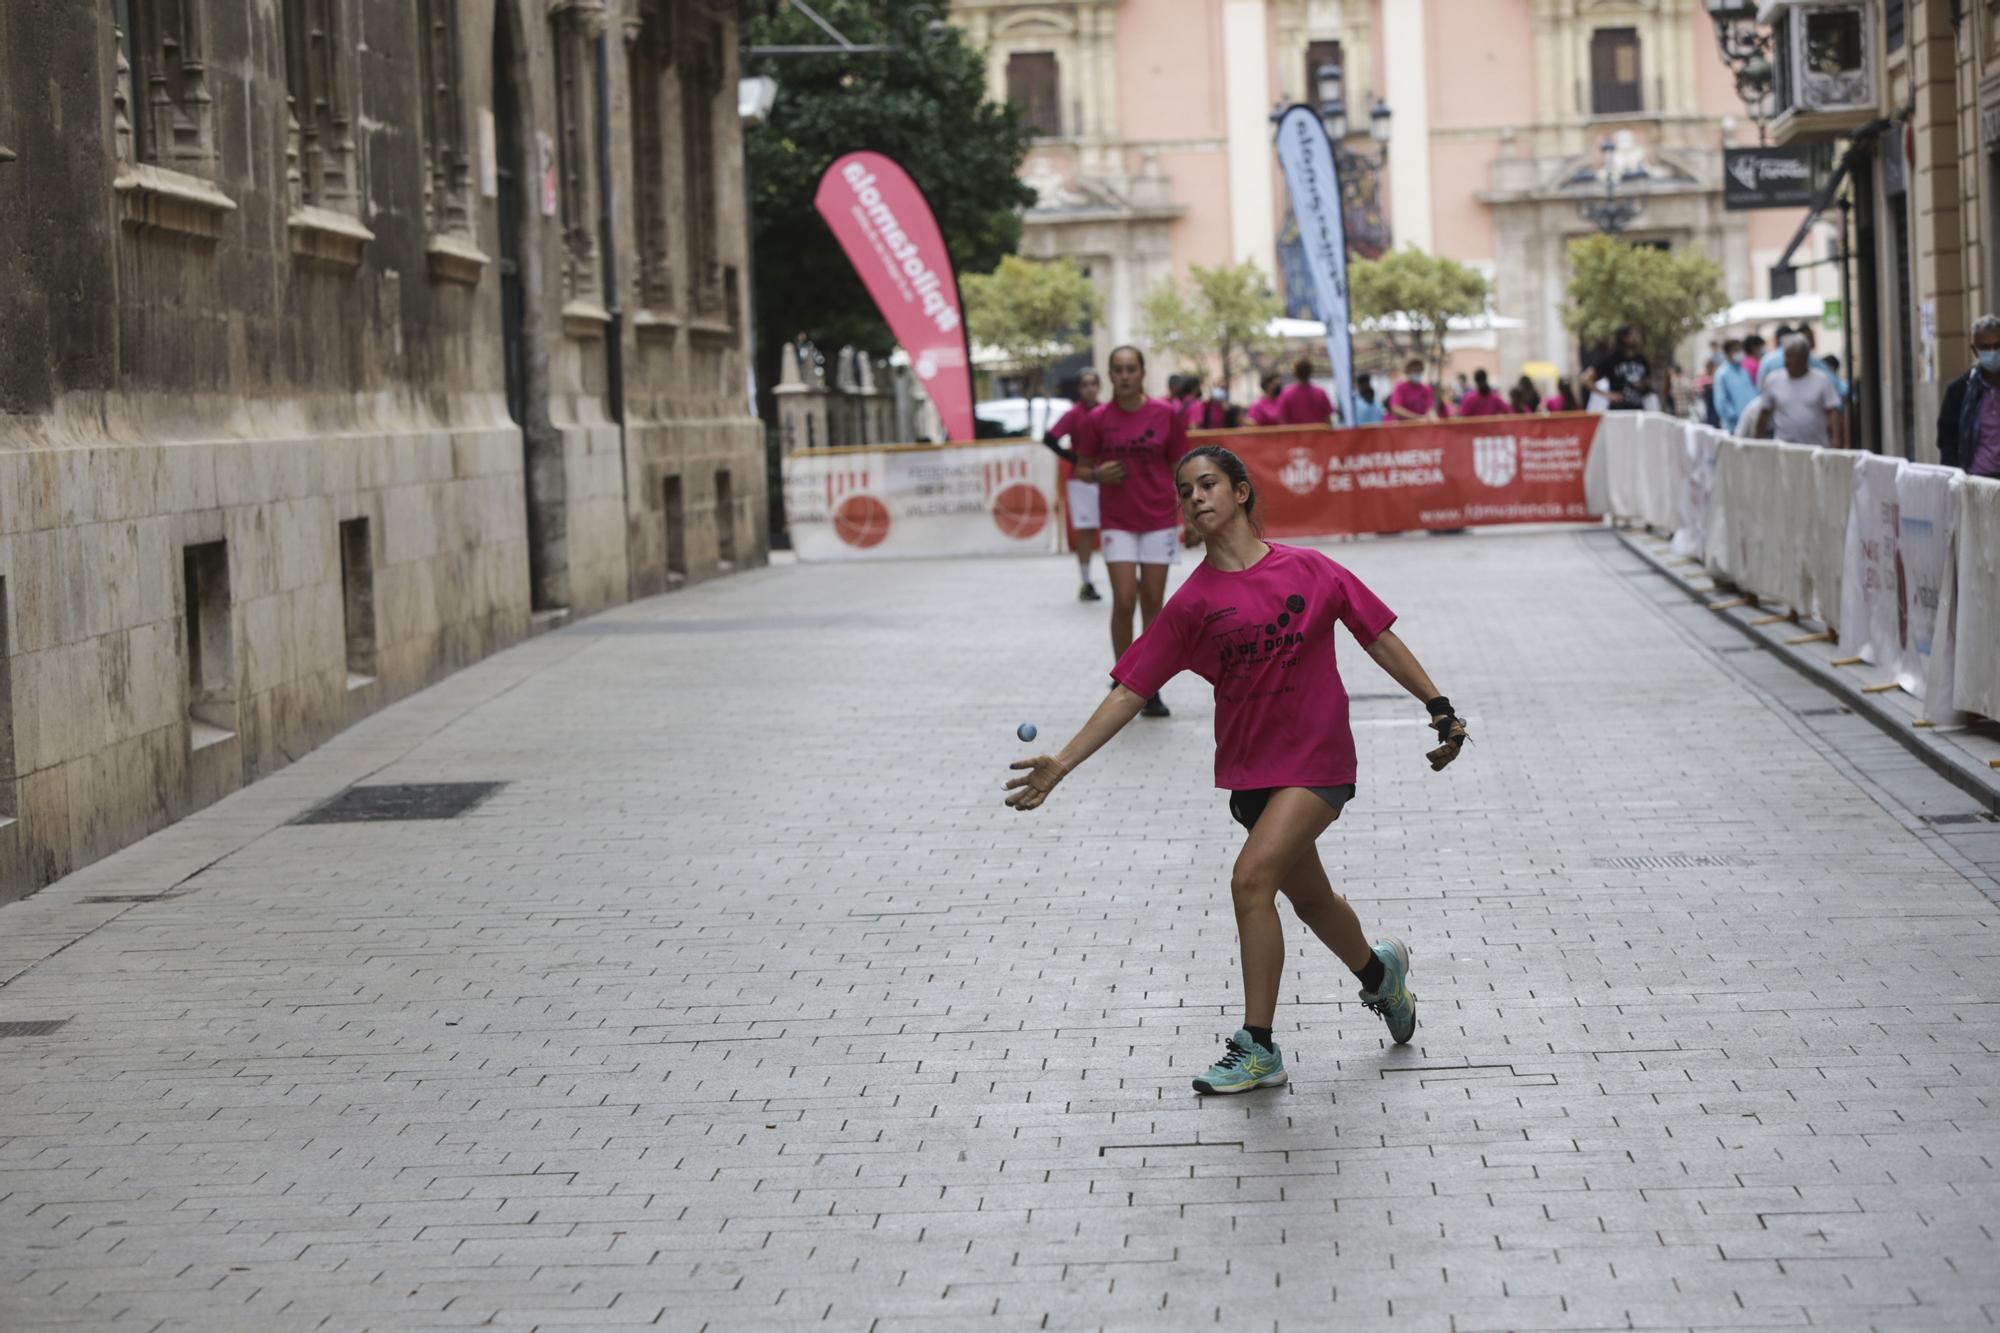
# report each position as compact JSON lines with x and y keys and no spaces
{"x":1246,"y":807}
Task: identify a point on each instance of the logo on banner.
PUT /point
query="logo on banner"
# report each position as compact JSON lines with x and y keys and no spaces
{"x":1494,"y":459}
{"x":1019,"y":508}
{"x":859,"y":519}
{"x":1301,"y":473}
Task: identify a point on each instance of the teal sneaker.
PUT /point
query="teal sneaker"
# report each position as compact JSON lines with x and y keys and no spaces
{"x":1244,"y":1065}
{"x":1394,"y":1002}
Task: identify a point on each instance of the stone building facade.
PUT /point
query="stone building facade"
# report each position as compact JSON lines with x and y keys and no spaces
{"x":343,"y":342}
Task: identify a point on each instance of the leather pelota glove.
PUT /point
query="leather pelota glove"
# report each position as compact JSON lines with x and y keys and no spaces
{"x":1452,"y":732}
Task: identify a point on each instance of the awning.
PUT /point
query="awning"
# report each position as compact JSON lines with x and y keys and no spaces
{"x":1779,"y":310}
{"x":1312,"y":328}
{"x":1826,"y":196}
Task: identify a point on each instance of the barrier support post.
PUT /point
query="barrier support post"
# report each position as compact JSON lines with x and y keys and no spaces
{"x":1883,"y":688}
{"x":1846,"y":661}
{"x":1824,"y":636}
{"x":1732,"y":604}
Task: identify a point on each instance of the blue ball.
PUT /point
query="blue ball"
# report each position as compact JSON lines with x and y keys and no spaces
{"x":1026,"y":731}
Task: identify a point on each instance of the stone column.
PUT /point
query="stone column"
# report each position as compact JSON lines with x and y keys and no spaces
{"x":802,"y":403}
{"x":1937,"y":247}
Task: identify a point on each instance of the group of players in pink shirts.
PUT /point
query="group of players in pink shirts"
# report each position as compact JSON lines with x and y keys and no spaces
{"x":1255,"y":620}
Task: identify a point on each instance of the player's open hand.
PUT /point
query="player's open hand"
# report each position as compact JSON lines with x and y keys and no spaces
{"x":1111,"y":473}
{"x":1028,"y":791}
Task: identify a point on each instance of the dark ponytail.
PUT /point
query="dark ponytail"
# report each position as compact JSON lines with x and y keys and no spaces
{"x":1232,"y":468}
{"x":1479,"y":378}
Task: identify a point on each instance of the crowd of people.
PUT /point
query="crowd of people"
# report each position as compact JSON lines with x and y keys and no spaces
{"x":1298,"y":401}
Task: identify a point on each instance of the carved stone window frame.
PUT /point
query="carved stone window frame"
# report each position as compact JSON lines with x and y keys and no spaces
{"x":163,"y":120}
{"x":703,"y":62}
{"x":322,"y":165}
{"x":650,"y":35}
{"x":452,"y":249}
{"x":574,"y":26}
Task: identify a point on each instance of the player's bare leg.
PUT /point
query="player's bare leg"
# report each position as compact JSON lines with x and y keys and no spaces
{"x":1086,"y":547}
{"x":1326,"y":913}
{"x":1285,"y":832}
{"x":1152,"y":593}
{"x":1124,"y":579}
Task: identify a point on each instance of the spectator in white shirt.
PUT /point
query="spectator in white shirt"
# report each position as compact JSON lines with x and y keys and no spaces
{"x":1799,"y":405}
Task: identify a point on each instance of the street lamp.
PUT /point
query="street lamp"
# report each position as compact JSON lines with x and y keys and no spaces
{"x":1610,"y":213}
{"x":1360,"y":172}
{"x":1746,"y":49}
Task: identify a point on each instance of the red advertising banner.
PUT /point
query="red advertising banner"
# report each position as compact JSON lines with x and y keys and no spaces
{"x":885,"y":225}
{"x":1316,"y":482}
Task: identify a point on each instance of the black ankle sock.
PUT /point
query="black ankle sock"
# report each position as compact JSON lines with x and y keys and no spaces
{"x":1373,"y":975}
{"x":1262,"y":1036}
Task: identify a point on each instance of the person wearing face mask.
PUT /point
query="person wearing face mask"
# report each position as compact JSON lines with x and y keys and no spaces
{"x":1412,"y":399}
{"x":1968,"y":430}
{"x":1733,"y":386}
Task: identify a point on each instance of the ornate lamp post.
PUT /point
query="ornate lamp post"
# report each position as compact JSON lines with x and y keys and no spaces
{"x":1746,"y":49}
{"x":1360,"y":172}
{"x":1609,"y":212}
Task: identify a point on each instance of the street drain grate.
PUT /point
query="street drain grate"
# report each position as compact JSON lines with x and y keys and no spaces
{"x":1671,"y":861}
{"x":40,"y":1027}
{"x":1982,"y":817}
{"x":400,"y":801}
{"x":123,"y":898}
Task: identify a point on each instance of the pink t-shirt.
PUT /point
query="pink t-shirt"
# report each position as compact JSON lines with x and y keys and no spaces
{"x":1488,"y":404}
{"x":1553,"y":403}
{"x":1264,"y":638}
{"x":1067,"y":423}
{"x":1411,"y":397}
{"x":1264,"y":412}
{"x":1304,"y":405}
{"x":1148,"y":442}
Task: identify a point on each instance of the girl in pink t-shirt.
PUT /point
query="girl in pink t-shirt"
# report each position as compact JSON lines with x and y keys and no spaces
{"x":1304,"y":403}
{"x":1129,"y":447}
{"x":1256,"y":620}
{"x":1412,"y":399}
{"x":1264,"y":412}
{"x":1482,"y":401}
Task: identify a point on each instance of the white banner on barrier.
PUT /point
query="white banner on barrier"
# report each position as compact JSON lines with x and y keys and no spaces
{"x":1701,"y":444}
{"x":1869,"y":605}
{"x":1833,"y":500}
{"x":874,"y":504}
{"x":1976,"y":681}
{"x":1927,"y":572}
{"x":1728,"y":505}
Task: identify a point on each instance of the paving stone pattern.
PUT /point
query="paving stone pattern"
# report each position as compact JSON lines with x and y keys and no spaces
{"x":745,"y":1004}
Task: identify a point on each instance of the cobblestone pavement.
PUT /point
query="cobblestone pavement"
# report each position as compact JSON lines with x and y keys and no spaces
{"x":746,"y":1005}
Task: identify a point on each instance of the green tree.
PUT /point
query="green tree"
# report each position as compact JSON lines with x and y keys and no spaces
{"x":924,"y":105}
{"x":1032,"y":313}
{"x":1412,"y":297}
{"x":1217,"y":321}
{"x":1668,"y":297}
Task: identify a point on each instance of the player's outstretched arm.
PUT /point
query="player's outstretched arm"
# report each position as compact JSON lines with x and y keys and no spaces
{"x":1043,"y":772}
{"x":1394,"y":657}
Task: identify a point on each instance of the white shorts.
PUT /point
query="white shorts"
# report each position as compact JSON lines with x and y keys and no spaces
{"x":1081,"y":496}
{"x":1162,"y":547}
